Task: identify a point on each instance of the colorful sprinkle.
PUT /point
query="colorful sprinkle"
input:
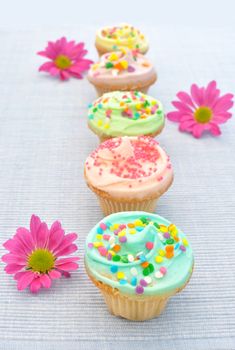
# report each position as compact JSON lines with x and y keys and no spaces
{"x":133,"y":281}
{"x":122,"y":239}
{"x":114,"y":268}
{"x":120,"y":275}
{"x":182,"y":247}
{"x":116,"y":258}
{"x":139,"y":290}
{"x":158,"y":274}
{"x":143,"y":283}
{"x":163,"y":270}
{"x":159,"y":259}
{"x":149,"y":245}
{"x":148,"y":280}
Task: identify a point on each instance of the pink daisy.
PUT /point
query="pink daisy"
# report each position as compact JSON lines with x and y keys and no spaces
{"x":34,"y":256}
{"x":66,"y":59}
{"x":201,"y":111}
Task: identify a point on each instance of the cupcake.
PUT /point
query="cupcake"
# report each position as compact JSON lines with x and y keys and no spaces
{"x":123,"y":70}
{"x":128,"y":173}
{"x":126,"y":113}
{"x":124,"y":35}
{"x":138,"y":261}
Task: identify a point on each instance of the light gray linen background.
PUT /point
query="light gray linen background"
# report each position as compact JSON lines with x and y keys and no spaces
{"x":44,"y":141}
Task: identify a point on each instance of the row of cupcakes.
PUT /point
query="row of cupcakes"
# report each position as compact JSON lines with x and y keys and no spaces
{"x":137,"y":260}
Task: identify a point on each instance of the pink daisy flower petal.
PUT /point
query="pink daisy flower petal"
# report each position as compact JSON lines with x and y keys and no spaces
{"x":38,"y":256}
{"x":15,"y":247}
{"x":18,"y":275}
{"x":214,"y":129}
{"x":66,"y":274}
{"x":13,"y":259}
{"x":201,"y":111}
{"x":65,"y":260}
{"x":70,"y":266}
{"x":25,"y":237}
{"x":35,"y":223}
{"x":222,"y":117}
{"x":185,"y":98}
{"x":174,"y":116}
{"x":68,"y":250}
{"x":182,"y":107}
{"x":64,"y":75}
{"x":67,"y":240}
{"x":25,"y":279}
{"x":35,"y":285}
{"x":54,"y":274}
{"x":67,"y":59}
{"x":45,"y":67}
{"x":13,"y":268}
{"x":45,"y":281}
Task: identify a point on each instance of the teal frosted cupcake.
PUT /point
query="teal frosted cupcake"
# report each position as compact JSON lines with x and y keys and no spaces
{"x":128,"y":113}
{"x":138,"y":260}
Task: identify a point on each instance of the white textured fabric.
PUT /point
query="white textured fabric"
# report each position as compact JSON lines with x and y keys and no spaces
{"x":44,"y":141}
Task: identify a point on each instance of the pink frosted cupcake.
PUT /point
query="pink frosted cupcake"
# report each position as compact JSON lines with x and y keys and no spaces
{"x":124,"y":70}
{"x":128,"y":173}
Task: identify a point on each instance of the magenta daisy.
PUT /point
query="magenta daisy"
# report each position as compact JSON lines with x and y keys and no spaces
{"x":201,"y":111}
{"x":37,"y":256}
{"x":66,"y":59}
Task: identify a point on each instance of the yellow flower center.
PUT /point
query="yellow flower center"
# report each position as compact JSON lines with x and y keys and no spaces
{"x":62,"y":62}
{"x":203,"y":115}
{"x":41,"y":260}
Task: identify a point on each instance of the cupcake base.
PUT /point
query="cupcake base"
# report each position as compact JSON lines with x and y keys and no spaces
{"x":110,"y":205}
{"x":133,"y":307}
{"x":102,"y":89}
{"x":103,"y":137}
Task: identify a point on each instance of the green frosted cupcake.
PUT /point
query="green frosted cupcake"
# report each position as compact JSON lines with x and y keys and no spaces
{"x":125,"y":114}
{"x":138,"y":261}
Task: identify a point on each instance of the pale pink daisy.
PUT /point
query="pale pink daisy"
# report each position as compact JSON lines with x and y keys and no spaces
{"x":37,"y":256}
{"x":66,"y":59}
{"x":202,"y":110}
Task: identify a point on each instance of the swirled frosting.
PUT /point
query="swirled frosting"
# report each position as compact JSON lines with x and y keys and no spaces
{"x":139,"y":253}
{"x":123,"y":35}
{"x":122,"y":68}
{"x":128,"y":113}
{"x":133,"y":167}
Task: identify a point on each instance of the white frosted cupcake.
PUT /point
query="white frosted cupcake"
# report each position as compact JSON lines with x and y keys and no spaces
{"x":111,"y":38}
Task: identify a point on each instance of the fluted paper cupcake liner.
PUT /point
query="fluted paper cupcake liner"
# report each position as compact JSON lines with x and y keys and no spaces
{"x":110,"y":206}
{"x":133,"y":307}
{"x":100,"y":90}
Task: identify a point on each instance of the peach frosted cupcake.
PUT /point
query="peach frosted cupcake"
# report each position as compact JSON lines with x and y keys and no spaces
{"x":122,"y":70}
{"x":124,"y":35}
{"x":138,"y":261}
{"x":128,"y":113}
{"x":128,"y":173}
